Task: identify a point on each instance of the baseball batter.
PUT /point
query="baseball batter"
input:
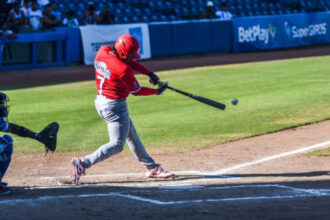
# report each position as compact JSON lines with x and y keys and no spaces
{"x":115,"y":80}
{"x":47,"y":136}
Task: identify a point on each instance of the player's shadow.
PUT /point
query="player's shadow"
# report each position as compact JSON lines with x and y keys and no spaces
{"x":183,"y":177}
{"x":186,"y":177}
{"x":228,"y":176}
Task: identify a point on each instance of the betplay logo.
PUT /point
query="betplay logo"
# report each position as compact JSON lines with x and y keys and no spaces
{"x":256,"y":33}
{"x":309,"y":31}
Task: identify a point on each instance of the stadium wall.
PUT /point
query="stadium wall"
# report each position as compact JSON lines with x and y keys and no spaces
{"x":280,"y":31}
{"x":182,"y":37}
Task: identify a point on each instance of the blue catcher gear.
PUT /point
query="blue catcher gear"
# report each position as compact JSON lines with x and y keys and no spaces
{"x":6,"y":150}
{"x":4,"y":108}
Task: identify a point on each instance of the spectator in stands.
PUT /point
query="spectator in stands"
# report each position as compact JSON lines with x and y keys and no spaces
{"x":5,"y":7}
{"x":26,"y":6}
{"x":34,"y":17}
{"x":16,"y":18}
{"x":5,"y":49}
{"x":90,"y":15}
{"x":69,"y":20}
{"x":43,"y":3}
{"x":55,"y":11}
{"x":223,"y":14}
{"x":49,"y":21}
{"x":209,"y":13}
{"x":6,"y":32}
{"x":106,"y":17}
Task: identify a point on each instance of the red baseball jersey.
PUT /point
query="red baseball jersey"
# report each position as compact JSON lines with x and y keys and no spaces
{"x":115,"y":79}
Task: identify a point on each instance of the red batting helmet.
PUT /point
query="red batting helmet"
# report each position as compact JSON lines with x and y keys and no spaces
{"x":127,"y":46}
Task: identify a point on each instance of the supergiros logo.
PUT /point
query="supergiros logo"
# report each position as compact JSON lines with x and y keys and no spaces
{"x":307,"y":31}
{"x":256,"y":33}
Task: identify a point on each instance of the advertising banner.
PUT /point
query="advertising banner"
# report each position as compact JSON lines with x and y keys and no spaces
{"x":94,"y":36}
{"x":280,"y":31}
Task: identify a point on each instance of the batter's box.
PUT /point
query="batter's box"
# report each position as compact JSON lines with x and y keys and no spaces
{"x":190,"y":194}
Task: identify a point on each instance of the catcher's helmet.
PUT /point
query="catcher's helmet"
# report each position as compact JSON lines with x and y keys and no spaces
{"x":127,"y":46}
{"x":3,"y":105}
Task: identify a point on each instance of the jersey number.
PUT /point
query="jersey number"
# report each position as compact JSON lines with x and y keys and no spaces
{"x":102,"y":79}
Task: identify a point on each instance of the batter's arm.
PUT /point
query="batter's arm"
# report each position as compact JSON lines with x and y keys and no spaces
{"x":138,"y":67}
{"x":134,"y":87}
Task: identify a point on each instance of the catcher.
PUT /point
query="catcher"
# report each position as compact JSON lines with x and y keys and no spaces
{"x":47,"y":136}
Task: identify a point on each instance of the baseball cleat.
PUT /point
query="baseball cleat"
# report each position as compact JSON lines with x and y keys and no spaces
{"x":4,"y":190}
{"x":78,"y":170}
{"x":158,"y":172}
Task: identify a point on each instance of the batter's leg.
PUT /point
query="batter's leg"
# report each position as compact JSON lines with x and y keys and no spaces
{"x":137,"y":148}
{"x":118,"y":132}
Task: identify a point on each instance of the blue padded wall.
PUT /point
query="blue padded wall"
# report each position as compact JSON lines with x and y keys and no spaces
{"x":182,"y":37}
{"x":160,"y":38}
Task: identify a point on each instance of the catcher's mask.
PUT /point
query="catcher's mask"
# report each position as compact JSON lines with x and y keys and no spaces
{"x":4,"y":108}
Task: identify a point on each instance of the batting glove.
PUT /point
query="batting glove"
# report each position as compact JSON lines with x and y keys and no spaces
{"x":162,"y":87}
{"x":154,"y":79}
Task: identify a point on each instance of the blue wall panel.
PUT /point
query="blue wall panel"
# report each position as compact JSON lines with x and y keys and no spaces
{"x":75,"y":52}
{"x":221,"y":36}
{"x":160,"y":38}
{"x":182,"y":40}
{"x":201,"y":36}
{"x":196,"y":36}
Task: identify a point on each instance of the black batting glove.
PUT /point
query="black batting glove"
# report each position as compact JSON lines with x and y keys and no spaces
{"x":154,"y":79}
{"x":162,"y":87}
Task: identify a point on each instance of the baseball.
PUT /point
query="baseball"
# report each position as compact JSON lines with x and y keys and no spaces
{"x":234,"y":101}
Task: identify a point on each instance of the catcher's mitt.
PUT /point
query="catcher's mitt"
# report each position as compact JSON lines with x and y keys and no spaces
{"x":48,"y":136}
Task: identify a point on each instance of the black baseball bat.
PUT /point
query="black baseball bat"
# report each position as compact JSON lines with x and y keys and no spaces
{"x":206,"y":101}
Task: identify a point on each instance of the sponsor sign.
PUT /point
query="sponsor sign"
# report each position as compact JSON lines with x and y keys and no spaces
{"x":280,"y":31}
{"x":95,"y":36}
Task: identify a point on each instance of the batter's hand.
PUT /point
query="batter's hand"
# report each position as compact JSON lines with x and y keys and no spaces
{"x":154,"y":79}
{"x":161,"y":88}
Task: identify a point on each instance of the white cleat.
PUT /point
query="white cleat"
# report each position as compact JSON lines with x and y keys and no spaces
{"x":78,"y":170}
{"x":158,"y":172}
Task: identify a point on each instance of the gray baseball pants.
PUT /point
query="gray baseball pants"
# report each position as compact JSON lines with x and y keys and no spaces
{"x":120,"y":128}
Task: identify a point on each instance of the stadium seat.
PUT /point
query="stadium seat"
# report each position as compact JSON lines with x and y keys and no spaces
{"x":135,"y":19}
{"x":144,"y":19}
{"x":137,"y":12}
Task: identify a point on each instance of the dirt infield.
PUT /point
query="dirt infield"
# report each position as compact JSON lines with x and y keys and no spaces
{"x":264,"y":177}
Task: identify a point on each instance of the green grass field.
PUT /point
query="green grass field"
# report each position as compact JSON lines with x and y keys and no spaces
{"x":272,"y":96}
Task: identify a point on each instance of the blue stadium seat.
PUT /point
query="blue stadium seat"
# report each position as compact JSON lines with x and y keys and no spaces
{"x":174,"y":18}
{"x":155,"y":18}
{"x":144,"y":19}
{"x":137,"y":12}
{"x":135,"y":19}
{"x":118,"y":12}
{"x":126,"y":20}
{"x":128,"y":11}
{"x":147,"y":11}
{"x":164,"y":18}
{"x":118,"y":20}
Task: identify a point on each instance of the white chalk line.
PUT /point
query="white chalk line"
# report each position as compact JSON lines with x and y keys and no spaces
{"x":298,"y":151}
{"x":309,"y":192}
{"x":217,"y":173}
{"x":186,"y":172}
{"x":300,"y":193}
